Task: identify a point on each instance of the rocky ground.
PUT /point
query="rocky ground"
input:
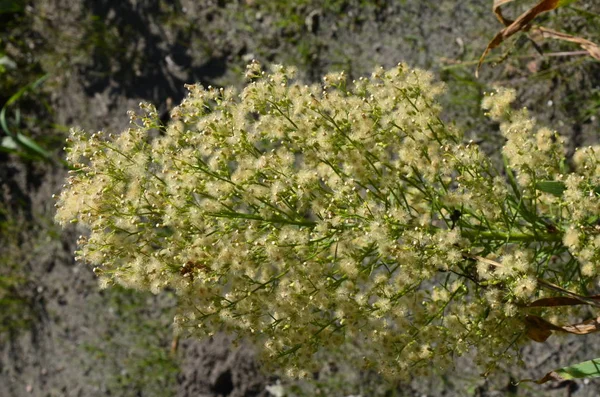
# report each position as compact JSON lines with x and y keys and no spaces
{"x":62,"y":336}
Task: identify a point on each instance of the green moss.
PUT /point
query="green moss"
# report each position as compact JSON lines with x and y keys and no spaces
{"x":16,"y":300}
{"x":133,"y":348}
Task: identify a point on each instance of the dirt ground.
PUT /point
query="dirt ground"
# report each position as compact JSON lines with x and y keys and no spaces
{"x":105,"y":56}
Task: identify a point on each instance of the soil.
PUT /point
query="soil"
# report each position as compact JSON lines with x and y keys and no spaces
{"x":105,"y":56}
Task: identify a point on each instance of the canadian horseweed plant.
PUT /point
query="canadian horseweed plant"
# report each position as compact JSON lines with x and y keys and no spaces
{"x":339,"y":219}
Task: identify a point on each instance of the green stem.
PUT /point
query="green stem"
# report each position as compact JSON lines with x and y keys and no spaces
{"x":239,"y":215}
{"x":511,"y":236}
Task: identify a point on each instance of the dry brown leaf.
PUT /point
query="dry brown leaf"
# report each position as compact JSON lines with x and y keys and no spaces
{"x":519,"y":24}
{"x":539,"y":329}
{"x":522,"y":23}
{"x":584,"y":328}
{"x":589,"y":300}
{"x":591,"y":48}
{"x":498,"y":11}
{"x":554,"y":376}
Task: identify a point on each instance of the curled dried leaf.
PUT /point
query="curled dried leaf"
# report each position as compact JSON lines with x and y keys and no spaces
{"x":498,"y":11}
{"x":523,"y":24}
{"x":584,"y":328}
{"x":538,"y":329}
{"x":591,"y":48}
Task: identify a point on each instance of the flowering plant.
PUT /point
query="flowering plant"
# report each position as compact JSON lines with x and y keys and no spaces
{"x":341,"y":218}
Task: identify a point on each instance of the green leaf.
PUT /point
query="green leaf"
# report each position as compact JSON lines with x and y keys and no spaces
{"x":556,"y":188}
{"x":13,"y":143}
{"x":31,"y":86}
{"x":17,"y":140}
{"x":586,"y":369}
{"x":552,"y":187}
{"x":32,"y":146}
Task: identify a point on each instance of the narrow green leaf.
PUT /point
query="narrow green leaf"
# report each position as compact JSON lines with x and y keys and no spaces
{"x":31,"y":86}
{"x":586,"y":369}
{"x":511,"y":178}
{"x":553,"y":187}
{"x":3,"y":122}
{"x":13,"y":142}
{"x":556,"y":188}
{"x":32,"y":146}
{"x":11,"y":145}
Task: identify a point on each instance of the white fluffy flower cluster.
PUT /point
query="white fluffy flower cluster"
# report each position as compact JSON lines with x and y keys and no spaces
{"x":340,"y":218}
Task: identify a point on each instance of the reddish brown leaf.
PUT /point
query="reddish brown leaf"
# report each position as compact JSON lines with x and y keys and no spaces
{"x":589,"y":300}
